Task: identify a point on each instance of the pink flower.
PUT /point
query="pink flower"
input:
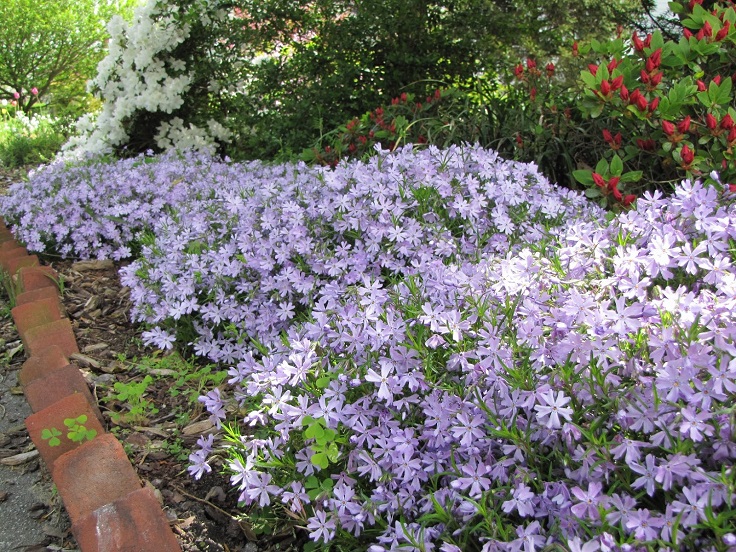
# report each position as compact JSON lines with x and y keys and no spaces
{"x":16,"y":95}
{"x":34,"y":91}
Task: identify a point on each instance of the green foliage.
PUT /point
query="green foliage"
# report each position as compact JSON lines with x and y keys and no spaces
{"x":132,"y":396}
{"x":28,"y":140}
{"x":663,"y":108}
{"x":53,"y":46}
{"x":76,"y":432}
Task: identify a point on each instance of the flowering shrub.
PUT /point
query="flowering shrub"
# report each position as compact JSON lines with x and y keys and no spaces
{"x":27,"y":139}
{"x":665,"y":107}
{"x":438,"y":349}
{"x":440,"y":119}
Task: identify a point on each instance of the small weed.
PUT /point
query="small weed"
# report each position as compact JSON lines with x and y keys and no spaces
{"x":76,"y":432}
{"x":132,"y":395}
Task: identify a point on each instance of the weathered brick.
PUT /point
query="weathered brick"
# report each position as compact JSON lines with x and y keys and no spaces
{"x":50,"y":292}
{"x":57,"y":333}
{"x":12,"y":266}
{"x":93,"y":475}
{"x":70,"y":407}
{"x":57,"y":384}
{"x":37,"y":277}
{"x":134,"y":523}
{"x":10,"y":244}
{"x":35,"y":314}
{"x":49,"y":359}
{"x":9,"y":255}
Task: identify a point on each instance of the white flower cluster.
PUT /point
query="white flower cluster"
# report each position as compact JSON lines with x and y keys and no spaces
{"x":137,"y":74}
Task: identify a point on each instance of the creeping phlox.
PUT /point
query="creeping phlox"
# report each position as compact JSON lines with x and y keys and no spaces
{"x":440,"y":350}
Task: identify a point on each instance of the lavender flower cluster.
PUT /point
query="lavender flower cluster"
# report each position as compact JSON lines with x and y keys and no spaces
{"x":439,"y":350}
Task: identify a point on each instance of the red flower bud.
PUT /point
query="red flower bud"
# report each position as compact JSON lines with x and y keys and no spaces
{"x":644,"y":77}
{"x":612,"y":65}
{"x":613,"y":183}
{"x":710,"y":122}
{"x":530,"y":63}
{"x":533,"y":94}
{"x":687,"y":33}
{"x":707,"y":30}
{"x":617,"y":83}
{"x":656,"y":79}
{"x":646,"y":145}
{"x":691,"y":4}
{"x":628,"y":200}
{"x":717,"y":79}
{"x":593,"y":69}
{"x":598,"y":179}
{"x":607,"y":136}
{"x":687,"y":156}
{"x":701,"y":86}
{"x":519,"y":141}
{"x":550,"y":69}
{"x":655,"y":60}
{"x":638,"y":43}
{"x":605,"y":88}
{"x":727,"y":122}
{"x":519,"y":71}
{"x":720,"y":35}
{"x":668,"y":128}
{"x":617,"y":194}
{"x":653,"y":105}
{"x":575,"y":50}
{"x":624,"y":93}
{"x":641,"y":103}
{"x":684,"y":125}
{"x":731,"y":139}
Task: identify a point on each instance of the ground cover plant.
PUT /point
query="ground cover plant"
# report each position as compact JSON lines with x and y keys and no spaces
{"x":433,"y":349}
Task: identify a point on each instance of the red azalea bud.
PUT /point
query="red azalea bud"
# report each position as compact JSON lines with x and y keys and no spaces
{"x":653,"y":105}
{"x":710,"y":122}
{"x":550,"y":69}
{"x":717,"y":79}
{"x":641,"y":103}
{"x":519,"y":71}
{"x":638,"y":44}
{"x":727,"y":122}
{"x":646,"y":145}
{"x":530,"y":63}
{"x":691,"y":4}
{"x":732,"y":188}
{"x":687,"y":156}
{"x":613,"y":183}
{"x":598,"y":179}
{"x":648,"y":40}
{"x":612,"y":65}
{"x":628,"y":200}
{"x":644,"y":77}
{"x":519,"y":141}
{"x":617,"y":194}
{"x":656,"y":79}
{"x":533,"y":93}
{"x":593,"y":69}
{"x":687,"y":33}
{"x":720,"y":35}
{"x":403,"y":96}
{"x":437,"y":94}
{"x":624,"y":93}
{"x":668,"y":128}
{"x":575,"y":50}
{"x":701,"y":86}
{"x":605,"y":88}
{"x":731,"y":139}
{"x":707,"y":30}
{"x":607,"y":136}
{"x":617,"y":83}
{"x":684,"y":125}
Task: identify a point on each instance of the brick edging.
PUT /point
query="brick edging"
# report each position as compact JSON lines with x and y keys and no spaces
{"x":110,"y":510}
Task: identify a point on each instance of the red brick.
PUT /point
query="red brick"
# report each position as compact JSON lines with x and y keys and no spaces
{"x":55,"y":385}
{"x":37,"y":294}
{"x":38,"y":277}
{"x":12,"y":266}
{"x":53,"y":416}
{"x":58,"y":333}
{"x":48,"y":360}
{"x":134,"y":523}
{"x":6,"y":235}
{"x":8,"y":255}
{"x":93,"y":475}
{"x":35,"y":314}
{"x":11,"y":244}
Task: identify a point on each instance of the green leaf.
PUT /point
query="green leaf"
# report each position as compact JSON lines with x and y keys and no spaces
{"x":592,"y":193}
{"x":333,"y":452}
{"x":601,"y":168}
{"x":314,"y":431}
{"x":323,"y":382}
{"x":632,"y":176}
{"x":320,"y":459}
{"x":617,"y":166}
{"x":54,"y":442}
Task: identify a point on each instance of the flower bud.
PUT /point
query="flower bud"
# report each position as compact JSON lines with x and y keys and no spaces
{"x":638,"y":43}
{"x":668,"y":128}
{"x":726,"y":122}
{"x":653,"y":105}
{"x":550,"y":69}
{"x":575,"y":49}
{"x":617,"y":83}
{"x":723,"y":33}
{"x":598,"y":179}
{"x":684,"y":125}
{"x":34,"y":91}
{"x":707,"y":30}
{"x":687,"y":33}
{"x":624,"y":93}
{"x":656,"y":79}
{"x":717,"y":79}
{"x":519,"y":71}
{"x":593,"y":69}
{"x":531,"y":64}
{"x":16,"y":95}
{"x":710,"y":122}
{"x":701,"y":86}
{"x":628,"y":200}
{"x":687,"y":156}
{"x":605,"y":88}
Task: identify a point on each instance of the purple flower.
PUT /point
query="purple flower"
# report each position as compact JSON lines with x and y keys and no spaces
{"x":587,"y":508}
{"x":644,"y":526}
{"x":321,"y":527}
{"x":553,"y":408}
